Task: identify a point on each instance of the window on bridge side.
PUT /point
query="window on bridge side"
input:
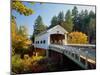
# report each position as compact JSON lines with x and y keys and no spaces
{"x":38,"y":42}
{"x":44,"y":41}
{"x":41,"y":41}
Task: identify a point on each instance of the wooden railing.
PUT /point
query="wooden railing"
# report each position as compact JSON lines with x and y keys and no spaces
{"x":76,"y":53}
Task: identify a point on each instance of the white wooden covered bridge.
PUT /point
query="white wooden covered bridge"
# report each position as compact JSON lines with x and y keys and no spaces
{"x":56,"y":40}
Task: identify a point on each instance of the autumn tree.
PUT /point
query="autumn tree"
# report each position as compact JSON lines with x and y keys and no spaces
{"x":20,"y":40}
{"x":77,"y":38}
{"x":19,"y":7}
{"x":13,"y":33}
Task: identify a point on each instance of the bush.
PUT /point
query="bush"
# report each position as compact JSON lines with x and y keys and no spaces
{"x":77,"y":38}
{"x":25,"y":65}
{"x":32,"y":64}
{"x":17,"y":66}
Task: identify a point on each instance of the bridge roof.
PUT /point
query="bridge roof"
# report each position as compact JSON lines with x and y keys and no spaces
{"x":52,"y":29}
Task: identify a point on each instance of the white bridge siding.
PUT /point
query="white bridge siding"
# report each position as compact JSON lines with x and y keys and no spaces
{"x":46,"y":36}
{"x":75,"y":54}
{"x":42,"y":38}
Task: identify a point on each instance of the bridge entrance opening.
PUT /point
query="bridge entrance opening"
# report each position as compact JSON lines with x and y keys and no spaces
{"x":57,"y":39}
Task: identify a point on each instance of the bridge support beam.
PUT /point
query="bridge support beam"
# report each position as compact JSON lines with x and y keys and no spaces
{"x":61,"y":58}
{"x":47,"y":53}
{"x":79,"y":58}
{"x":86,"y":60}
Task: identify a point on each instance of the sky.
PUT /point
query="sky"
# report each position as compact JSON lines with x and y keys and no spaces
{"x":47,"y":11}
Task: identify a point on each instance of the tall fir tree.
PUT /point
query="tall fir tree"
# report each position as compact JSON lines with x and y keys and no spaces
{"x":39,"y":25}
{"x":60,"y":18}
{"x":75,"y":17}
{"x":54,"y":21}
{"x":68,"y":24}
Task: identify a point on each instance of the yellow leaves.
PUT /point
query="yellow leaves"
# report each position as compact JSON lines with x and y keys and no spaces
{"x":77,"y":38}
{"x":37,"y":58}
{"x":24,"y":65}
{"x":21,"y":8}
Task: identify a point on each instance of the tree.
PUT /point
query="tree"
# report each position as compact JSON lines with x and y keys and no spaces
{"x":68,"y":24}
{"x":39,"y":25}
{"x":75,"y":17}
{"x":92,"y":14}
{"x":54,"y":22}
{"x":92,"y":31}
{"x":90,"y":24}
{"x":21,"y":8}
{"x":77,"y":38}
{"x":81,"y":22}
{"x":20,"y":40}
{"x":23,"y":31}
{"x":61,"y":18}
{"x":75,"y":11}
{"x":13,"y":32}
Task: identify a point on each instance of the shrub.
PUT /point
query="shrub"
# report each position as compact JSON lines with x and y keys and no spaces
{"x":25,"y":65}
{"x":77,"y":38}
{"x":17,"y":66}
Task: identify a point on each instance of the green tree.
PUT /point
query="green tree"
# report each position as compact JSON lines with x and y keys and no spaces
{"x":39,"y":25}
{"x":75,"y":17}
{"x":68,"y":24}
{"x":92,"y":31}
{"x":82,"y":21}
{"x":90,"y":26}
{"x":32,"y":37}
{"x":54,"y":22}
{"x":75,"y":11}
{"x":92,"y":14}
{"x":61,"y":18}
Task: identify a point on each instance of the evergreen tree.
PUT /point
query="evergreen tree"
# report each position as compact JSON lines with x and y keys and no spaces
{"x":61,"y":18}
{"x":92,"y":14}
{"x":54,"y":22}
{"x":39,"y":25}
{"x":75,"y":18}
{"x":75,"y":11}
{"x":92,"y":27}
{"x":92,"y":31}
{"x":68,"y":24}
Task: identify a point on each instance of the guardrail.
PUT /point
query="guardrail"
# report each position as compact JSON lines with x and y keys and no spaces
{"x":76,"y":54}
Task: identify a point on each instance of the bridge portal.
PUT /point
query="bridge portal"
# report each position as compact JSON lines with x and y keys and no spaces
{"x":57,"y":39}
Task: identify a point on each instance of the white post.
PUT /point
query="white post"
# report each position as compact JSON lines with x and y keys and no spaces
{"x":79,"y":55}
{"x":48,"y":43}
{"x":65,"y":39}
{"x":86,"y":60}
{"x":47,"y":53}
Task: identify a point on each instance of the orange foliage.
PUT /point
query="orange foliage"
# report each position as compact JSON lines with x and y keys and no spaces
{"x":77,"y":38}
